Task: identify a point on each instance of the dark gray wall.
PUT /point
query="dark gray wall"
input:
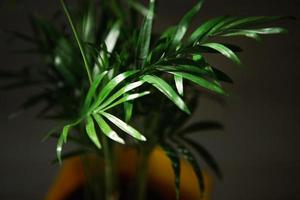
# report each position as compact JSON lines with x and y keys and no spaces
{"x":259,"y":151}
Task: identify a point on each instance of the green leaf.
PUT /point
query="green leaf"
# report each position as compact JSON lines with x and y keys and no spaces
{"x":111,"y":85}
{"x":250,"y":21}
{"x":200,"y":81}
{"x":175,"y":160}
{"x":202,"y":30}
{"x":107,"y":130}
{"x":128,"y":108}
{"x":221,"y":76}
{"x":187,"y":154}
{"x":125,"y":89}
{"x":61,"y":140}
{"x":224,"y":50}
{"x":254,"y":33}
{"x":112,"y":37}
{"x":125,"y":127}
{"x":139,"y":7}
{"x":183,"y":25}
{"x":144,"y":38}
{"x":92,"y":90}
{"x":167,"y":90}
{"x":201,"y":126}
{"x":126,"y":98}
{"x":186,"y":68}
{"x":91,"y":132}
{"x":208,"y":158}
{"x":245,"y":33}
{"x":89,"y":22}
{"x":179,"y":84}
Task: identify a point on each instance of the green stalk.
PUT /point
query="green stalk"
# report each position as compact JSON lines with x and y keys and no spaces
{"x":142,"y":171}
{"x":86,"y":65}
{"x":110,"y":192}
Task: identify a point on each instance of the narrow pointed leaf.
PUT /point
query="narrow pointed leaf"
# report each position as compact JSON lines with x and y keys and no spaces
{"x":139,"y":7}
{"x":201,"y":126}
{"x":144,"y":38}
{"x":91,"y":132}
{"x":224,"y":50}
{"x":183,"y":25}
{"x":187,"y":154}
{"x":61,"y":140}
{"x":175,"y":160}
{"x":111,"y":85}
{"x":125,"y":127}
{"x":125,"y":89}
{"x":202,"y":30}
{"x":126,"y":98}
{"x":167,"y":90}
{"x":128,"y":108}
{"x":179,"y":84}
{"x":105,"y":128}
{"x":201,"y":82}
{"x":112,"y":37}
{"x":92,"y":90}
{"x":207,"y":157}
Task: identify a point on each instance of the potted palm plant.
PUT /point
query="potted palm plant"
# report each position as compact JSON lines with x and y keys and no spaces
{"x":124,"y":95}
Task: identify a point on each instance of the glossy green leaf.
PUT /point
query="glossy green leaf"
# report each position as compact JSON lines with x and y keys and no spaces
{"x":144,"y":38}
{"x":224,"y":50}
{"x":184,"y":23}
{"x":125,"y":127}
{"x":111,"y":85}
{"x":91,"y":132}
{"x":61,"y":140}
{"x":175,"y":160}
{"x":89,"y":22}
{"x":126,"y":98}
{"x":122,"y":91}
{"x":139,"y":7}
{"x":179,"y":84}
{"x":167,"y":90}
{"x":112,"y":37}
{"x":245,"y":33}
{"x":208,"y":158}
{"x":186,"y":68}
{"x":202,"y":30}
{"x":250,"y":21}
{"x":128,"y":110}
{"x":92,"y":90}
{"x":107,"y":130}
{"x":201,"y":82}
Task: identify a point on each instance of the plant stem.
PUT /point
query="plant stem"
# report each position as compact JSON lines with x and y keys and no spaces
{"x":110,"y":193}
{"x":86,"y":65}
{"x":142,"y":173}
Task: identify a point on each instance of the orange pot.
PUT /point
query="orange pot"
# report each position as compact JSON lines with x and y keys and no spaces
{"x":160,"y":176}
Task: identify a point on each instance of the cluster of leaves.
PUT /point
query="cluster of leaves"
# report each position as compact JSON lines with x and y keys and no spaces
{"x":112,"y":61}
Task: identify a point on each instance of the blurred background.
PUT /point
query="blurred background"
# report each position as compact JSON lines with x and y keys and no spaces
{"x":259,"y":150}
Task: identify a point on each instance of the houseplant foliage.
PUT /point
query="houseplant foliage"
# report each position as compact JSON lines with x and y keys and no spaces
{"x":110,"y":80}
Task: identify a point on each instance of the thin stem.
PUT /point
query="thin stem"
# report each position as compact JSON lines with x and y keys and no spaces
{"x":110,"y":193}
{"x":142,"y":174}
{"x":77,"y":40}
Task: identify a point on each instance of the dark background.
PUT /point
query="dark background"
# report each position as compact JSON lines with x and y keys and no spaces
{"x":259,"y":151}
